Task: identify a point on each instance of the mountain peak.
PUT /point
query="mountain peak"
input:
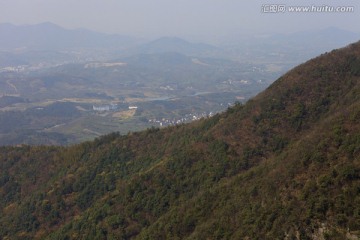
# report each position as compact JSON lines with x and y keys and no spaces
{"x":171,"y":39}
{"x":176,"y":44}
{"x":47,"y":24}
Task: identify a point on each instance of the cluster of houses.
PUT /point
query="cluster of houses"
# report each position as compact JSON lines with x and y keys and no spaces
{"x":103,"y":108}
{"x":175,"y":121}
{"x":13,"y":69}
{"x":110,"y":107}
{"x":25,"y":68}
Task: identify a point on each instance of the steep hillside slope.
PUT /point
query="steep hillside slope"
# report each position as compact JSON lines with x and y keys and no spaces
{"x":284,"y":166}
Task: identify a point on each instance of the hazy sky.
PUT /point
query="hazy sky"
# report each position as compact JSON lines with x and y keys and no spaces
{"x":152,"y":18}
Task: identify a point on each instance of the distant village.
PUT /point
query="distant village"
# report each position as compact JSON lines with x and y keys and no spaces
{"x":160,"y":122}
{"x":163,"y":122}
{"x":112,"y":107}
{"x":26,"y":68}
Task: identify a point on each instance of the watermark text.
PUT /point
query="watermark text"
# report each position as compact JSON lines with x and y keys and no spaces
{"x":283,"y":8}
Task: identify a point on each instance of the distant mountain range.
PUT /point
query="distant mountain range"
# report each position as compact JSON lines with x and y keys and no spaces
{"x":321,"y":39}
{"x":316,"y":40}
{"x":48,"y":36}
{"x":48,"y":42}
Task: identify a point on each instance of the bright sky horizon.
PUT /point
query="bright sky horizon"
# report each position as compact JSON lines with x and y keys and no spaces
{"x":198,"y":18}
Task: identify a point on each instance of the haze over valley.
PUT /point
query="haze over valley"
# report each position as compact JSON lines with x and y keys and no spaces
{"x":61,"y":86}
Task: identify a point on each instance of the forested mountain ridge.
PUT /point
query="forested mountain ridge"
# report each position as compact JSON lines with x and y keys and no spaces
{"x":286,"y":165}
